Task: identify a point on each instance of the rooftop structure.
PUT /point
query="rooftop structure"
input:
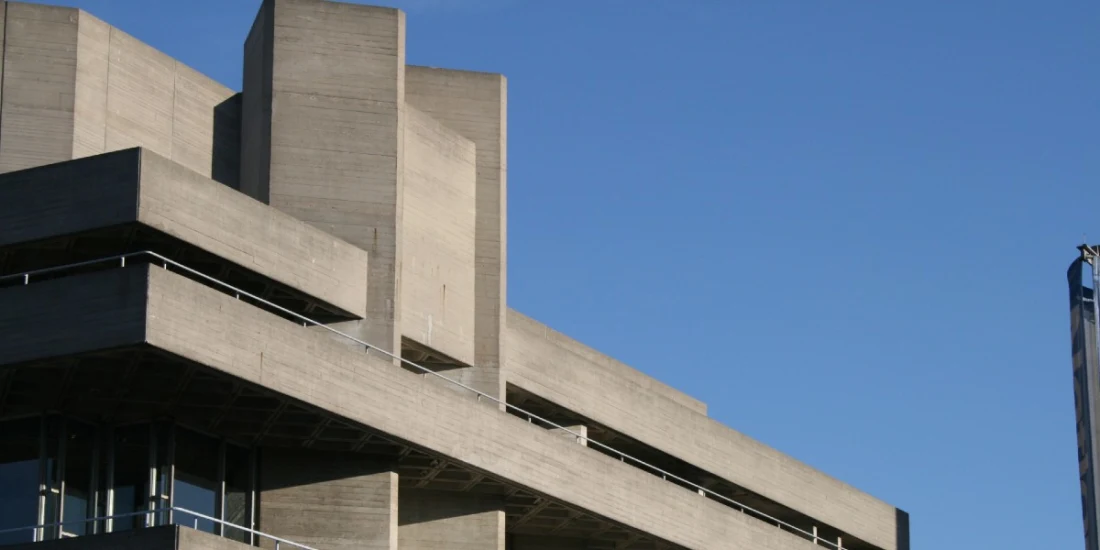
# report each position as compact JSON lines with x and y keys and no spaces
{"x":279,"y":318}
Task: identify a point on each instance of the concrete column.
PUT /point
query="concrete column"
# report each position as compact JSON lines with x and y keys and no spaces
{"x":576,"y":429}
{"x":328,"y":500}
{"x":74,"y":86}
{"x":431,"y":520}
{"x":322,"y":133}
{"x":475,"y":105}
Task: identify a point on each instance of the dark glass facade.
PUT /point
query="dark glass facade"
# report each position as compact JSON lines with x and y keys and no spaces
{"x":62,"y":477}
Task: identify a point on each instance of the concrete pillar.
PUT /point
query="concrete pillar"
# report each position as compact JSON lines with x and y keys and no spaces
{"x":475,"y":105}
{"x":431,"y":520}
{"x":576,"y":429}
{"x":322,"y":133}
{"x":74,"y":86}
{"x":328,"y":500}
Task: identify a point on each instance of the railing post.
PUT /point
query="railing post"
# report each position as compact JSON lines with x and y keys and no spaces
{"x":815,"y":535}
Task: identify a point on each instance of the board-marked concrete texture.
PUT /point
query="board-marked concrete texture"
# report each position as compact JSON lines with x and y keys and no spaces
{"x":476,"y":105}
{"x":335,"y":105}
{"x":137,"y":185}
{"x":557,"y":368}
{"x":437,"y":269}
{"x":331,"y":501}
{"x":195,"y":322}
{"x":74,"y":86}
{"x":430,"y":520}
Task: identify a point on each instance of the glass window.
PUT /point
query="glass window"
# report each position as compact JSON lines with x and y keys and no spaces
{"x":238,"y":483}
{"x":131,"y":475}
{"x":19,"y":478}
{"x":80,"y":463}
{"x":196,"y":487}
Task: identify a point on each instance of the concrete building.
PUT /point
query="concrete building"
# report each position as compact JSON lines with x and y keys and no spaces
{"x":278,"y":317}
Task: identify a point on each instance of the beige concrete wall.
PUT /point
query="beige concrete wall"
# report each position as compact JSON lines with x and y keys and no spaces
{"x":437,"y":269}
{"x":432,"y":520}
{"x":475,"y":105}
{"x":333,"y":501}
{"x":213,"y":329}
{"x":36,"y":104}
{"x":255,"y":168}
{"x":551,"y":366}
{"x":337,"y":80}
{"x":78,"y":87}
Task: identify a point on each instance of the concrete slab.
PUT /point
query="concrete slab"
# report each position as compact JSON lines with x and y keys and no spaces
{"x":138,"y":186}
{"x":556,"y":368}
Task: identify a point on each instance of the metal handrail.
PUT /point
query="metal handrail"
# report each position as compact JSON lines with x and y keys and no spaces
{"x":278,"y":541}
{"x":306,"y":321}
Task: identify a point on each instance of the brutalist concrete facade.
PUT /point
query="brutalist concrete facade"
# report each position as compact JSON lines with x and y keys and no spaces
{"x":280,"y":316}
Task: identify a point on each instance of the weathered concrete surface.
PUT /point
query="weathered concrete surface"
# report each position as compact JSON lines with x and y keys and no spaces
{"x":166,"y":537}
{"x":333,"y":501}
{"x":437,"y":270}
{"x":74,"y":86}
{"x":536,"y":345}
{"x":336,"y":120}
{"x":36,"y":104}
{"x":140,"y":186}
{"x":475,"y":105}
{"x":554,"y":367}
{"x":213,"y":329}
{"x":430,"y":520}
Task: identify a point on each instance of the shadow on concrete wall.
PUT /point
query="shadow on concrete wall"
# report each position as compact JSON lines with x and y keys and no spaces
{"x":225,"y":163}
{"x":424,"y":505}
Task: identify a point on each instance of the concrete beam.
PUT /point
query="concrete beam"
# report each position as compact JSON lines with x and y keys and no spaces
{"x":475,"y":105}
{"x":138,"y":186}
{"x":74,"y":86}
{"x":331,"y":154}
{"x":553,"y":367}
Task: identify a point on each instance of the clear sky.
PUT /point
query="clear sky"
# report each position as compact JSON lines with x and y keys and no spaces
{"x":843,"y":225}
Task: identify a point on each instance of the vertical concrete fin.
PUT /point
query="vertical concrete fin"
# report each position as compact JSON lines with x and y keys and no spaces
{"x":475,"y":105}
{"x":336,"y":135}
{"x":93,"y":42}
{"x":255,"y":168}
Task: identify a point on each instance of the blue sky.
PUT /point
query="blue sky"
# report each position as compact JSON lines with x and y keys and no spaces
{"x":843,"y":225}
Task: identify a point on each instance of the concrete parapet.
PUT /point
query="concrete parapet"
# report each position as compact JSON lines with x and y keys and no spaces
{"x":138,"y":186}
{"x":550,"y":366}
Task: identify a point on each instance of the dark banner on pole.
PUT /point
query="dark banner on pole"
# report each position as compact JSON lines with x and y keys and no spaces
{"x":1085,"y":390}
